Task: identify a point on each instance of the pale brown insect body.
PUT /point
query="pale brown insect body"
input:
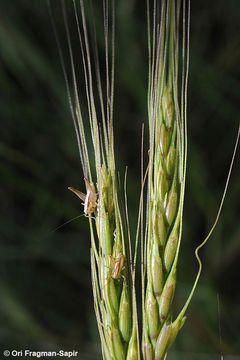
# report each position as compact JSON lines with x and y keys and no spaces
{"x":90,"y":199}
{"x":117,"y":266}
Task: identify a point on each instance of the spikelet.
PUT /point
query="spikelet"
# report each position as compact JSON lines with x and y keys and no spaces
{"x":166,"y":181}
{"x":112,"y":289}
{"x":113,"y":275}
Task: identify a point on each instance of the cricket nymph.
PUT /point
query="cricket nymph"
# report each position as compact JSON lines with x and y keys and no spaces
{"x":117,"y":266}
{"x":90,"y":199}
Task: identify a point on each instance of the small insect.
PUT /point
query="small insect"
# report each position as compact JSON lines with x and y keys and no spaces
{"x":90,"y":199}
{"x":117,"y":266}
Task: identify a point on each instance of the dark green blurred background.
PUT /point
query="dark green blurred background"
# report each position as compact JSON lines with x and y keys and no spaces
{"x":45,"y":285}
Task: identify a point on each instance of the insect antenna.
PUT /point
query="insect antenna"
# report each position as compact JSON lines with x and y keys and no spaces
{"x":67,"y":222}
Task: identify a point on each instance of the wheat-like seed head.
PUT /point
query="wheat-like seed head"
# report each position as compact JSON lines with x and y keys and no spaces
{"x":112,"y":265}
{"x":113,"y":292}
{"x":166,"y":182}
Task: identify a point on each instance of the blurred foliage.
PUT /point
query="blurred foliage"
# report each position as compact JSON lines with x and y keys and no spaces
{"x":45,"y":284}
